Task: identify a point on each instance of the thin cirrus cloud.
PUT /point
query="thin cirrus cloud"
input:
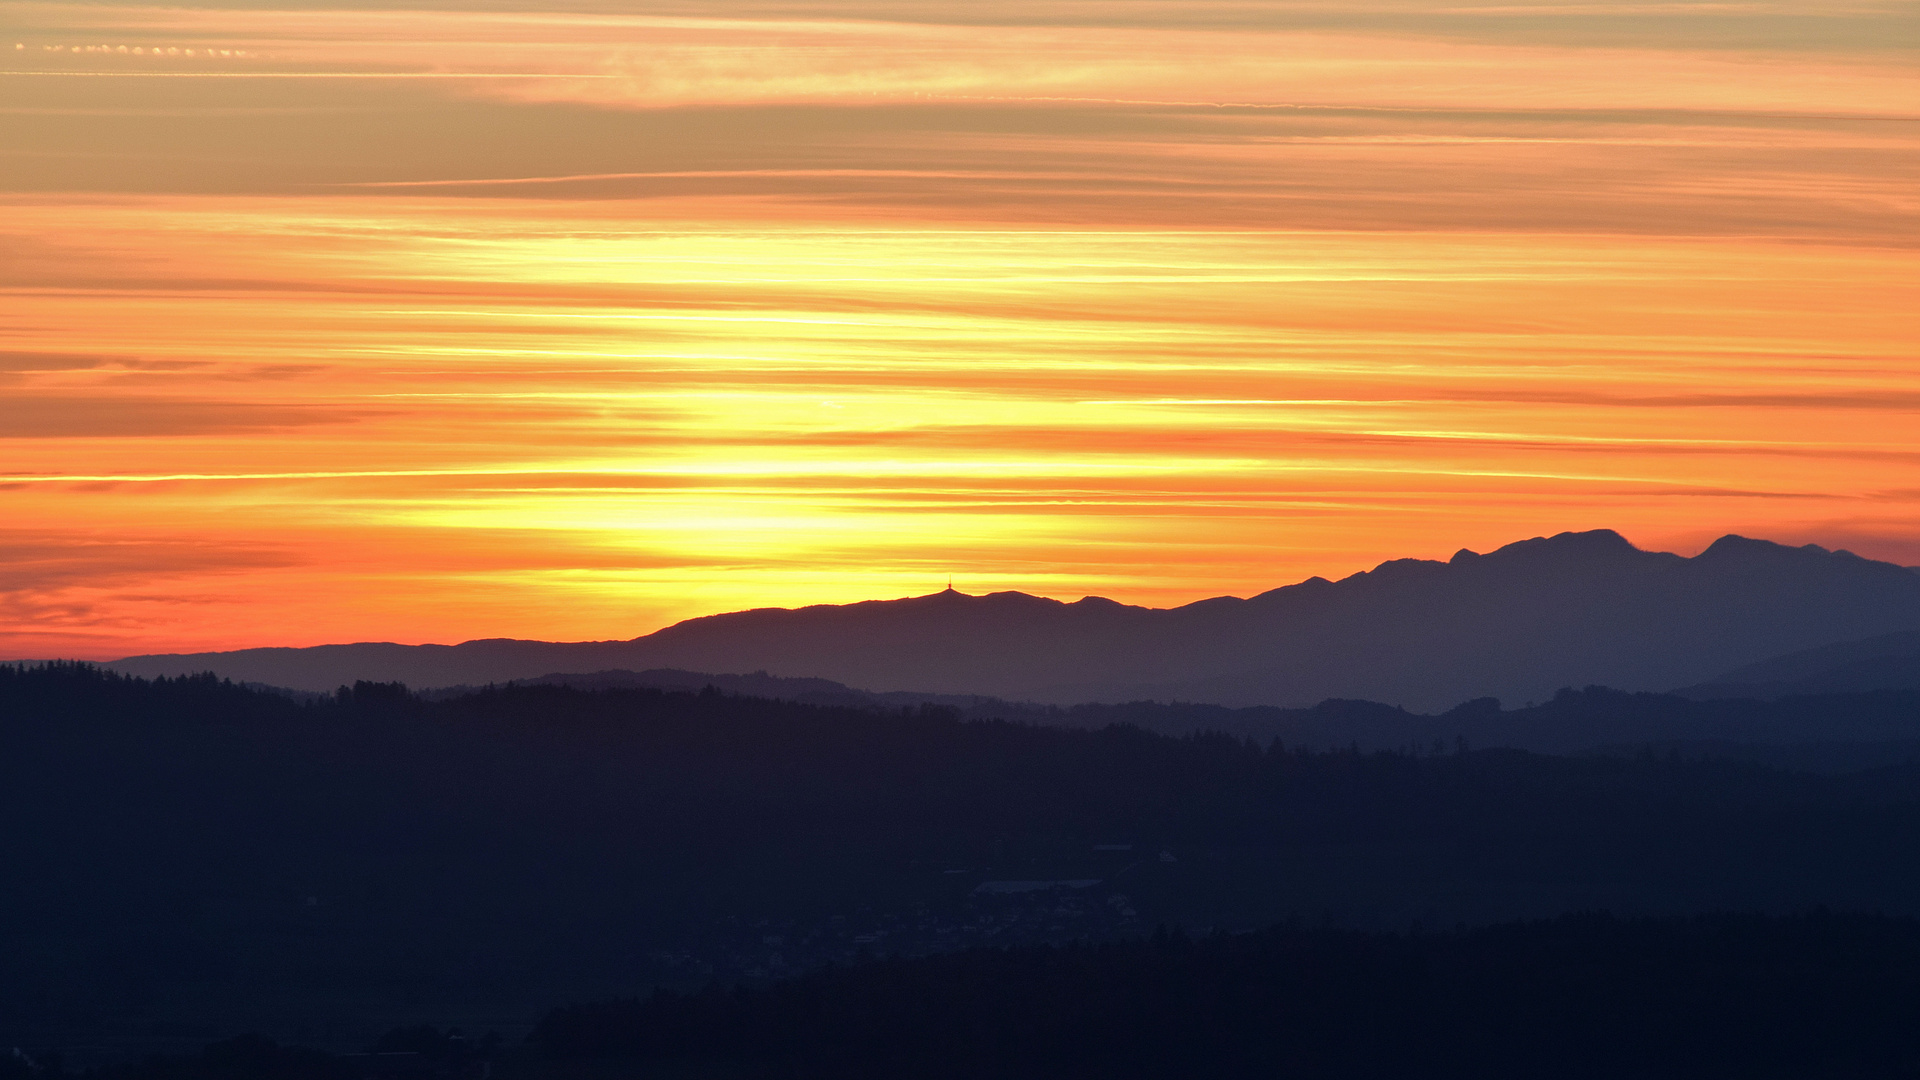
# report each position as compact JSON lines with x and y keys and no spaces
{"x":643,"y":61}
{"x":485,"y":320}
{"x":121,"y":415}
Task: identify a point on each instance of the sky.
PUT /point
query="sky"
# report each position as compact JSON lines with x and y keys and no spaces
{"x":447,"y":319}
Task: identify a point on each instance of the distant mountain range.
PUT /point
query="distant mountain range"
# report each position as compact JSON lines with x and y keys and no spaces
{"x":1517,"y":624}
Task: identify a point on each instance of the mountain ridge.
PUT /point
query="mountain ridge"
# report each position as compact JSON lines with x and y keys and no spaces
{"x":1515,"y":623}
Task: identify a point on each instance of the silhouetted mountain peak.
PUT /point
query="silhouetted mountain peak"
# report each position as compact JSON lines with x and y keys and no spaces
{"x":1010,"y":602}
{"x":1314,"y":584}
{"x":1565,"y":550}
{"x":1395,"y":574}
{"x":1567,"y":547}
{"x":1568,"y":554}
{"x":1733,"y":548}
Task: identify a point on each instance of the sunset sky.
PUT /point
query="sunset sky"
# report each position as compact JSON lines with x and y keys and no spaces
{"x":447,"y":320}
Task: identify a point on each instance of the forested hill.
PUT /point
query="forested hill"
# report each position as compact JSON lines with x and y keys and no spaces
{"x":1583,"y":996}
{"x":191,"y":856}
{"x":1578,"y":997}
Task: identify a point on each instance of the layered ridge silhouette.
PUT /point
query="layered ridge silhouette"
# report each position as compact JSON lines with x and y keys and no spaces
{"x":1885,"y":662}
{"x":1838,"y":731}
{"x":1517,"y":624}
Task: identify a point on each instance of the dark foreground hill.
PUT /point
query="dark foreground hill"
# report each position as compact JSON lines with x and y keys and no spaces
{"x":189,"y":859}
{"x":1516,"y":624}
{"x":1746,"y":997}
{"x":1582,"y":996}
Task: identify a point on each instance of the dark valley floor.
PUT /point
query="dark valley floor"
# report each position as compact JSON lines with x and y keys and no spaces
{"x":190,"y":860}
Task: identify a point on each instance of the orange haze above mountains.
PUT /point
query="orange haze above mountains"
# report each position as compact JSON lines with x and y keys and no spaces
{"x":458,"y":320}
